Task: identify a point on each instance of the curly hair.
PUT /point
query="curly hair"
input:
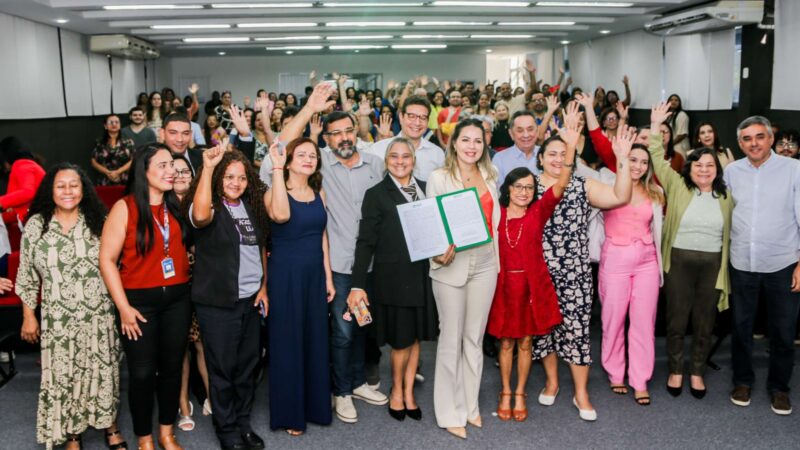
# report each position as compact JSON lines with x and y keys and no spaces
{"x":93,"y":210}
{"x":253,"y":194}
{"x":315,"y":180}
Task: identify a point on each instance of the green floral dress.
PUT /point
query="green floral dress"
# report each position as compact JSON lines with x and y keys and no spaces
{"x":80,"y":346}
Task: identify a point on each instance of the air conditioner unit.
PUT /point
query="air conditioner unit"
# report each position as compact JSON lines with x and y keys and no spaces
{"x":127,"y":47}
{"x":711,"y":17}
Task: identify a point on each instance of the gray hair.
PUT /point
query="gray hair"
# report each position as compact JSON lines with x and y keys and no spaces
{"x":484,"y":118}
{"x":753,"y":120}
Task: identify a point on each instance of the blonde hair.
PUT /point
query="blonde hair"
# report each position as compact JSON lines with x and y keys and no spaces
{"x":648,"y":181}
{"x":484,"y":162}
{"x":396,"y":141}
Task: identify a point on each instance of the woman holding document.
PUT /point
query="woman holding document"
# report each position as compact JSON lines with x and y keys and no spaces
{"x":525,"y":302}
{"x":403,"y":307}
{"x":464,"y":283}
{"x":566,"y":250}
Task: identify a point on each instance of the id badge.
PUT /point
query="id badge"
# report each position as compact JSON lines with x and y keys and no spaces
{"x":168,"y":268}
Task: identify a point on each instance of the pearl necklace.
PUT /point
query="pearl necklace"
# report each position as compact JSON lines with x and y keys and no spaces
{"x":513,"y":244}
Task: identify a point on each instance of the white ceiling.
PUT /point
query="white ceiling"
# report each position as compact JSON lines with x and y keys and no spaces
{"x":483,"y":25}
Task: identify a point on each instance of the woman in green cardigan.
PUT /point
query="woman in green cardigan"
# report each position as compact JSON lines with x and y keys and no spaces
{"x":694,"y":246}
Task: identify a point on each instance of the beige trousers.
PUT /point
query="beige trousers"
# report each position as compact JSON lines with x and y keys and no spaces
{"x":463,"y":313}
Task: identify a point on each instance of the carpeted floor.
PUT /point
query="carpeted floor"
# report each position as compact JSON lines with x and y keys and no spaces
{"x":679,"y":423}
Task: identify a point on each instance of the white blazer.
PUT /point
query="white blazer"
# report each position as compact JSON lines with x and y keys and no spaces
{"x":440,"y":182}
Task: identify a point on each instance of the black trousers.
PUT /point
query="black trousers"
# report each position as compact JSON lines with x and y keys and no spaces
{"x":783,"y":307}
{"x":231,"y":342}
{"x":155,"y":359}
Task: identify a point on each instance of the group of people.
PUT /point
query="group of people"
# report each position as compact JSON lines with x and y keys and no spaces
{"x":298,"y":229}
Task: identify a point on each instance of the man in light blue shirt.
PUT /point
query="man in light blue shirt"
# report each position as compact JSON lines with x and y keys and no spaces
{"x":765,"y":245}
{"x":523,"y":153}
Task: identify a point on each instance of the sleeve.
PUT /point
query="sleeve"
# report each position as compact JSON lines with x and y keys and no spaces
{"x":368,"y":227}
{"x":441,"y":117}
{"x":97,"y":150}
{"x":28,"y":282}
{"x":191,"y":221}
{"x":602,"y":146}
{"x":265,"y":171}
{"x":545,"y":206}
{"x":663,"y":170}
{"x":435,"y":186}
{"x":796,"y":192}
{"x":682,"y":124}
{"x":27,"y":187}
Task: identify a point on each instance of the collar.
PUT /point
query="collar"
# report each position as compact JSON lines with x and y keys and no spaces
{"x":412,"y":181}
{"x":519,"y":153}
{"x":334,"y":160}
{"x":772,"y":156}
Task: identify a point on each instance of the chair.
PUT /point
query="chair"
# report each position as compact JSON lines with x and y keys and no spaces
{"x":10,"y":322}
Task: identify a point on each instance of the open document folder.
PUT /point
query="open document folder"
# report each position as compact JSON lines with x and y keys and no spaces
{"x":431,"y":225}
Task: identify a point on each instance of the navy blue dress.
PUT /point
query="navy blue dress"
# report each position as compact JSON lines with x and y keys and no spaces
{"x":299,"y":378}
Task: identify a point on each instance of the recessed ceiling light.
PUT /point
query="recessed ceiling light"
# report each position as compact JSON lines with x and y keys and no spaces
{"x":356,"y":51}
{"x":488,"y":50}
{"x":435,"y":36}
{"x":501,"y":36}
{"x":417,"y":46}
{"x":438,"y":23}
{"x":197,"y":26}
{"x":365,"y":24}
{"x":534,"y":24}
{"x":136,"y":7}
{"x":495,"y":4}
{"x":605,"y":31}
{"x":62,"y":20}
{"x":215,"y":39}
{"x":289,"y":38}
{"x":376,"y":37}
{"x":221,"y":53}
{"x":277,"y":25}
{"x":355,"y":47}
{"x":296,"y":47}
{"x":261,"y":5}
{"x":289,"y":52}
{"x":564,"y":42}
{"x":587,"y":4}
{"x":424,"y":50}
{"x":369,"y":4}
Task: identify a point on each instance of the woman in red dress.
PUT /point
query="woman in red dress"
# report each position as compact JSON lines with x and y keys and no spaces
{"x":525,"y":302}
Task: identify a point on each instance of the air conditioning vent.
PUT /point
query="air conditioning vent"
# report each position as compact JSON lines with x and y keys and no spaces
{"x":715,"y":16}
{"x":123,"y":46}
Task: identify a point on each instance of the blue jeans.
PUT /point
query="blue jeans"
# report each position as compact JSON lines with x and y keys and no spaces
{"x":783,"y":306}
{"x":347,"y":340}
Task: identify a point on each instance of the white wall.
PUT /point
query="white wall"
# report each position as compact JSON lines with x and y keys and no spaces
{"x":246,"y":74}
{"x":786,"y":65}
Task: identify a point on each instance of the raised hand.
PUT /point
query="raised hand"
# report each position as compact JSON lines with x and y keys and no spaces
{"x":239,"y":121}
{"x":335,"y":76}
{"x":213,"y":155}
{"x":193,"y":88}
{"x":625,"y":80}
{"x":435,"y":82}
{"x":423,"y":80}
{"x":585,"y":100}
{"x":385,"y":125}
{"x":246,"y":101}
{"x":622,"y":110}
{"x":561,"y":70}
{"x":660,"y":113}
{"x":277,"y":155}
{"x":315,"y":125}
{"x":342,"y":80}
{"x":411,"y":85}
{"x":457,"y":85}
{"x":312,"y":75}
{"x":391,"y":85}
{"x":363,"y":107}
{"x":622,"y":143}
{"x":552,"y":104}
{"x":446,"y":85}
{"x":572,"y":116}
{"x":529,"y":66}
{"x":265,"y":105}
{"x":319,"y":101}
{"x":347,"y":105}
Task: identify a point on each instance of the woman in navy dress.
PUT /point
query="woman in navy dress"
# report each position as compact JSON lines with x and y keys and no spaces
{"x":299,"y":283}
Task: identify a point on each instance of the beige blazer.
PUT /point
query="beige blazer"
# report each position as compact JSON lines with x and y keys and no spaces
{"x":440,"y":182}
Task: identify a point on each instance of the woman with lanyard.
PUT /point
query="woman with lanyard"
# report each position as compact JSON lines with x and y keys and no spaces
{"x":144,"y":264}
{"x":230,"y":221}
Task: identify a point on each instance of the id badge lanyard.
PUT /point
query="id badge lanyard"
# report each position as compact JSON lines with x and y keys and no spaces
{"x":167,"y":264}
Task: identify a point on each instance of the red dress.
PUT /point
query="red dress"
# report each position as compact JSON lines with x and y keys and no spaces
{"x":525,"y":301}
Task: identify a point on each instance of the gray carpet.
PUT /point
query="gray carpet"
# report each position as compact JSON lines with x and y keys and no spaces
{"x":680,"y":423}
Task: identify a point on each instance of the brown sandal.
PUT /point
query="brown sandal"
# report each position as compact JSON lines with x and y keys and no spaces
{"x":169,"y":443}
{"x":521,"y":414}
{"x":503,"y":414}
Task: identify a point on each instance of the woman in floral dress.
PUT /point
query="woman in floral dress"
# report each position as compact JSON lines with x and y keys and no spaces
{"x":80,"y":347}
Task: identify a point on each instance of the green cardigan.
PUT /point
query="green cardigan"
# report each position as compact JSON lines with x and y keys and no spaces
{"x":678,"y":198}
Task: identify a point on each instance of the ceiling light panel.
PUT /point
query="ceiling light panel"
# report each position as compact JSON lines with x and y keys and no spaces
{"x":365,"y":24}
{"x":535,"y":24}
{"x":196,"y":26}
{"x":435,"y":36}
{"x":374,"y":37}
{"x":446,"y":23}
{"x":588,"y":4}
{"x":356,"y":47}
{"x":501,"y":36}
{"x":296,"y":47}
{"x":288,"y":38}
{"x":278,"y":25}
{"x":260,"y":5}
{"x":477,"y":3}
{"x":417,"y":46}
{"x":203,"y":40}
{"x":370,"y":4}
{"x":148,"y":7}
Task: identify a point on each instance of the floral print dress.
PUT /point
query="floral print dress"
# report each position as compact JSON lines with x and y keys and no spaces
{"x":112,"y":158}
{"x":80,"y":346}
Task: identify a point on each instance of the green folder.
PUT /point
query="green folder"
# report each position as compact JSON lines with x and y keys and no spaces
{"x":447,"y":230}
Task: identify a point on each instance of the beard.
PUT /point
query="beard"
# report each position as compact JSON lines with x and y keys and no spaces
{"x":345,"y":150}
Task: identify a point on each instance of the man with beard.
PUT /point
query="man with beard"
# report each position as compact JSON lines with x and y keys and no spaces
{"x":517,"y":102}
{"x":346,"y":176}
{"x":413,"y":123}
{"x":448,"y":118}
{"x":138,"y":131}
{"x":544,"y":109}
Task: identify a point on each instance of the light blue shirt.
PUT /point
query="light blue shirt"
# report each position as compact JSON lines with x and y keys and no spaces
{"x":765,"y":231}
{"x":511,"y":158}
{"x":197,"y":134}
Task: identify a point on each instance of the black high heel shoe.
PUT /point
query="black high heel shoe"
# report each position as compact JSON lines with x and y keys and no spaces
{"x":120,"y":446}
{"x":415,"y":414}
{"x":697,"y":393}
{"x":674,"y":391}
{"x":397,"y":414}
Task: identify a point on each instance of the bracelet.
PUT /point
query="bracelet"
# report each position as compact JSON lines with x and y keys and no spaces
{"x":277,"y":168}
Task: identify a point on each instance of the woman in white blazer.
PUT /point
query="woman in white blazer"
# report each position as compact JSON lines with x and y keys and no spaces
{"x":463,"y":283}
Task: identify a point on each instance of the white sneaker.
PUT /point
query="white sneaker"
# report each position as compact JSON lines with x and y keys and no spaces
{"x":366,"y":394}
{"x":547,"y":400}
{"x":419,"y":377}
{"x":5,"y":357}
{"x":589,"y":415}
{"x":375,"y":387}
{"x":345,"y":410}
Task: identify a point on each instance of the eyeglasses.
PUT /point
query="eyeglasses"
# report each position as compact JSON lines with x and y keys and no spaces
{"x":184,"y":173}
{"x":311,"y":156}
{"x":421,"y":117}
{"x":337,"y":133}
{"x":611,"y":118}
{"x":232,"y":178}
{"x":523,"y":187}
{"x":788,"y":144}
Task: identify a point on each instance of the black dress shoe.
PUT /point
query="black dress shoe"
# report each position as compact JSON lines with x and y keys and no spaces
{"x":415,"y":414}
{"x":252,"y":441}
{"x":697,"y":393}
{"x":674,"y":391}
{"x":236,"y":446}
{"x":397,"y":414}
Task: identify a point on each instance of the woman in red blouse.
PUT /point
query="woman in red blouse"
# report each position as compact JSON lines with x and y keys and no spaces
{"x":23,"y":180}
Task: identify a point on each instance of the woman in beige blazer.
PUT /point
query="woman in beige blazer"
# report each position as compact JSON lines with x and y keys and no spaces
{"x":463,"y":283}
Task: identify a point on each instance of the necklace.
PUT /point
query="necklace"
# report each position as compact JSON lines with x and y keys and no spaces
{"x":513,"y":244}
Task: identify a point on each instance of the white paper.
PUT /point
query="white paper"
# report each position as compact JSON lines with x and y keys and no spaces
{"x":423,"y":229}
{"x":465,"y":218}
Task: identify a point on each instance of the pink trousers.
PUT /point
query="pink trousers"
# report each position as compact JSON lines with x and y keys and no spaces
{"x":628,"y":285}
